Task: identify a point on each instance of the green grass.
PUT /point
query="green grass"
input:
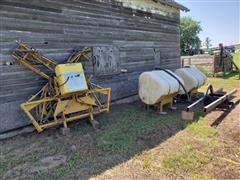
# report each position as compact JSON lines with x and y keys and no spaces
{"x":201,"y":128}
{"x":205,"y":71}
{"x":191,"y":159}
{"x":229,"y":81}
{"x":236,"y":58}
{"x":185,"y":161}
{"x":132,"y":125}
{"x":237,"y":47}
{"x":128,"y":131}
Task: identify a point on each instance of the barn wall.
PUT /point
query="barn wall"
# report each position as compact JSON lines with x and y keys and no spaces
{"x":56,"y":27}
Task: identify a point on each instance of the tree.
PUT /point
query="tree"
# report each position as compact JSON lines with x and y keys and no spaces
{"x":189,"y":30}
{"x":207,"y":43}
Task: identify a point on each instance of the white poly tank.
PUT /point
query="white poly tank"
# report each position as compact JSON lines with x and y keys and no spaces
{"x":192,"y":77}
{"x":155,"y":84}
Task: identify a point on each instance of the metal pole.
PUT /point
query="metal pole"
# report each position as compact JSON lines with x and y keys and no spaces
{"x":214,"y":104}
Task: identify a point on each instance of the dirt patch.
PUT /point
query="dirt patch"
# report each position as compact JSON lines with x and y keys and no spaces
{"x":229,"y":129}
{"x":129,"y":170}
{"x":212,"y":153}
{"x":41,"y":166}
{"x":48,"y":163}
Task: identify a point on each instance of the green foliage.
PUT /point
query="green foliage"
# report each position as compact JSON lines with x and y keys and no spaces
{"x":207,"y":43}
{"x":189,"y":34}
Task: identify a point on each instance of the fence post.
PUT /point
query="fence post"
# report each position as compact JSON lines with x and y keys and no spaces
{"x":189,"y":61}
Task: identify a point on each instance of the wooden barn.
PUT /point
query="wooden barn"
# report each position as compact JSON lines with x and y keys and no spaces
{"x":127,"y":37}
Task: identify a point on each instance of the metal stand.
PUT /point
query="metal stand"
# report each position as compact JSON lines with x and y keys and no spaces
{"x":165,"y":100}
{"x":211,"y":100}
{"x":50,"y":107}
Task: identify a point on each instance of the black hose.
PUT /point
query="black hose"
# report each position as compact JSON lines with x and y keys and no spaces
{"x":181,"y":84}
{"x":64,"y":82}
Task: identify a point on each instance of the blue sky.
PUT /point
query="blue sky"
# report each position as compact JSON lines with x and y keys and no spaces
{"x":219,"y":19}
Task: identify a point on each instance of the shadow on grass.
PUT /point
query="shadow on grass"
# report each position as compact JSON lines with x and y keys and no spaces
{"x":126,"y":131}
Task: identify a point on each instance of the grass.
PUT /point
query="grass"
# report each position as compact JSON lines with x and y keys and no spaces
{"x":190,"y":155}
{"x":159,"y":143}
{"x":194,"y":156}
{"x":229,"y":81}
{"x":236,"y":58}
{"x":186,"y":161}
{"x":133,"y":125}
{"x":128,"y":131}
{"x":201,"y":128}
{"x":205,"y":71}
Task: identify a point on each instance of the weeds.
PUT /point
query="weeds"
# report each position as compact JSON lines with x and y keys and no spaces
{"x":201,"y":128}
{"x":186,"y":160}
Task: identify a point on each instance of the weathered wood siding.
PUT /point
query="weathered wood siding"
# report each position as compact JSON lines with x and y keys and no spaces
{"x":205,"y":61}
{"x":56,"y":27}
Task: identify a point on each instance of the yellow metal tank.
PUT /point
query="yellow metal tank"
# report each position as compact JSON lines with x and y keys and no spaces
{"x":70,"y":78}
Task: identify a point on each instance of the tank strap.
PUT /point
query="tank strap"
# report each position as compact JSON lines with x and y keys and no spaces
{"x":180,"y":83}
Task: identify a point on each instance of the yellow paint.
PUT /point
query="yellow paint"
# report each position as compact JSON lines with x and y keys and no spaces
{"x":66,"y":97}
{"x":69,"y":107}
{"x":165,"y":100}
{"x":70,"y":74}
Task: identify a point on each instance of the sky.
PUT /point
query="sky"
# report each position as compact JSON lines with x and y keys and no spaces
{"x":219,"y":19}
